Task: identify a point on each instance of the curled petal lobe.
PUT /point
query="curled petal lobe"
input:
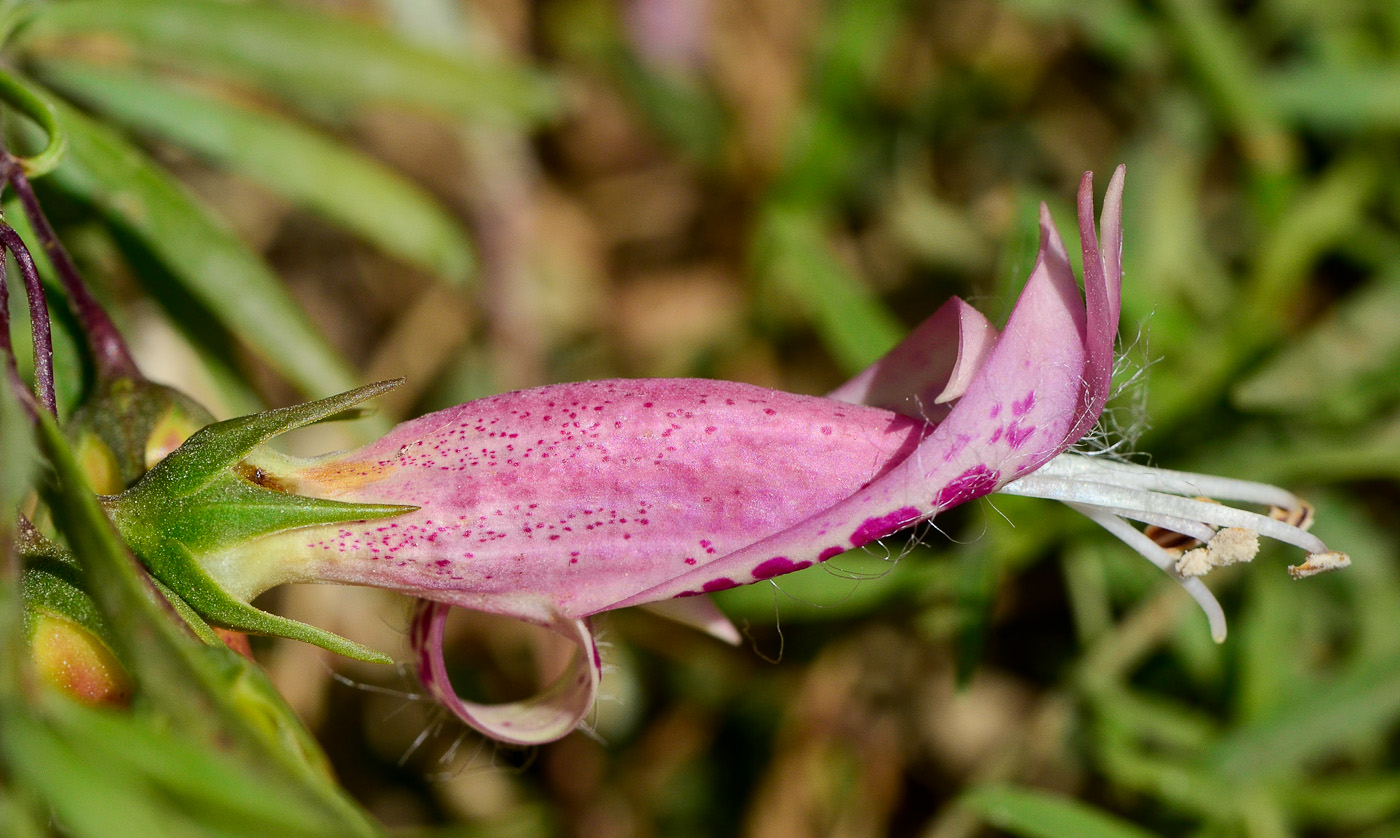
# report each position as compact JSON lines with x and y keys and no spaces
{"x":1103,"y":284}
{"x":552,"y":714}
{"x":932,"y":366}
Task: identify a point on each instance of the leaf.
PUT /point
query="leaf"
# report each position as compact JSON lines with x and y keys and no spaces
{"x":1357,"y":706}
{"x":85,"y":796}
{"x":1343,"y":369}
{"x":185,"y":775}
{"x":345,"y":186}
{"x":16,"y":452}
{"x":301,"y":54}
{"x":1339,"y":98}
{"x":1038,"y":814}
{"x":18,"y":96}
{"x":213,"y":265}
{"x":855,"y":326}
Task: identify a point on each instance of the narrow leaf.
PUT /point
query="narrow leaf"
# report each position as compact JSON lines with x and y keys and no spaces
{"x":214,"y":266}
{"x":1038,"y":814}
{"x":345,"y":186}
{"x":1357,"y":706}
{"x":855,"y":326}
{"x":301,"y":54}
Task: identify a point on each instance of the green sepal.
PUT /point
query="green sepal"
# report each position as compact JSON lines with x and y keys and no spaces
{"x":52,"y":580}
{"x":174,"y":565}
{"x":47,"y":585}
{"x":191,"y":617}
{"x":202,"y":498}
{"x":210,"y":451}
{"x":229,"y":510}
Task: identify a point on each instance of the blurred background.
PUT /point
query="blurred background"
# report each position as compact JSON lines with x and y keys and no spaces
{"x":483,"y":196}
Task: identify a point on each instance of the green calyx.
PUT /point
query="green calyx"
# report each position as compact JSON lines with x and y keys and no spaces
{"x":203,"y":498}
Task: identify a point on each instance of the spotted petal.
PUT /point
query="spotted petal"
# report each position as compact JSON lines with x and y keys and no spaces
{"x":1031,"y":399}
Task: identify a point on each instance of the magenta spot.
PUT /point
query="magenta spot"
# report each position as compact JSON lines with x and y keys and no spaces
{"x":996,"y":411}
{"x":720,"y":584}
{"x":769,"y":411}
{"x":777,"y":566}
{"x":877,"y":528}
{"x":996,"y":435}
{"x":1022,"y":407}
{"x":956,"y":448}
{"x":973,"y":483}
{"x":830,"y":552}
{"x":1017,"y":435}
{"x":826,"y":430}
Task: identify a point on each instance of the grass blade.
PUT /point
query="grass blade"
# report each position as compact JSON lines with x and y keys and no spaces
{"x":213,"y":265}
{"x":343,"y":185}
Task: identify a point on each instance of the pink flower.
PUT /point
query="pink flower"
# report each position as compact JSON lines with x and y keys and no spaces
{"x":555,"y":504}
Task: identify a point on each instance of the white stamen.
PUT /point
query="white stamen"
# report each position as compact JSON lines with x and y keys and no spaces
{"x":1233,"y":545}
{"x":1107,"y":492}
{"x":1100,"y":470}
{"x":1229,"y":546}
{"x":1195,"y":563}
{"x":1153,"y":552}
{"x":1320,"y":563}
{"x":1137,"y":504}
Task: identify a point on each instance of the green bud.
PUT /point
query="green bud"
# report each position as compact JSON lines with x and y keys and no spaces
{"x":78,"y":662}
{"x":138,"y":422}
{"x":65,"y":631}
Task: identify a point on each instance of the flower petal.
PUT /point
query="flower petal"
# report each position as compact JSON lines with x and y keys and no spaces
{"x":574,"y":496}
{"x":1103,"y":283}
{"x":546,"y":717}
{"x":698,"y":613}
{"x":932,"y":366}
{"x":1022,"y":409}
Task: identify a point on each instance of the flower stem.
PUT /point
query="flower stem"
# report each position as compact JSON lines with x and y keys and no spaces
{"x":6,"y":347}
{"x":38,"y":316}
{"x":109,"y":350}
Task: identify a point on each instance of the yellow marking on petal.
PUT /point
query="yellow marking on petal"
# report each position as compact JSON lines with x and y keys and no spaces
{"x":345,"y":475}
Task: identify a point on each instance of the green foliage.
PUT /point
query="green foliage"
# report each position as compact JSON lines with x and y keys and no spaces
{"x":1038,"y":815}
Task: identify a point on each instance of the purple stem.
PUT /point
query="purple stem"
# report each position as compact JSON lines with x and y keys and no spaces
{"x":6,"y":347}
{"x":38,"y":316}
{"x":108,"y":349}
